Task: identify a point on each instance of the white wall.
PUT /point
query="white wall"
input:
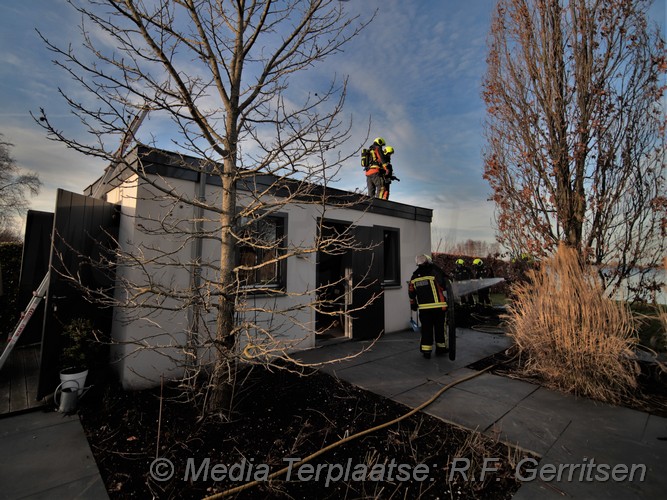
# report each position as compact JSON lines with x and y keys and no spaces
{"x":290,"y":327}
{"x":415,"y":240}
{"x":137,"y":330}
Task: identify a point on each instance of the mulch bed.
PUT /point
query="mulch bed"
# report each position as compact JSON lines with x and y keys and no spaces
{"x":284,"y":415}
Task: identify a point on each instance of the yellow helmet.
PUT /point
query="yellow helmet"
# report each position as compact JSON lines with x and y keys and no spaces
{"x":379,"y":141}
{"x":460,"y":262}
{"x":477,"y":262}
{"x":388,"y":150}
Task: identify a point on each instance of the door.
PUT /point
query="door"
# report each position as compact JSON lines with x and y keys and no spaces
{"x":367,"y":309}
{"x":333,"y":294}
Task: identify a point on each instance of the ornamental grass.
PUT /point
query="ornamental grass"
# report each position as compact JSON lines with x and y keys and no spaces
{"x":569,"y":334}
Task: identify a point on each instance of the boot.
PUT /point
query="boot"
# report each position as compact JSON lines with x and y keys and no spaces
{"x":441,"y":349}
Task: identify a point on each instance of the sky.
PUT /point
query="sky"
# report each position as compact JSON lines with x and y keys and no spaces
{"x":416,"y":72}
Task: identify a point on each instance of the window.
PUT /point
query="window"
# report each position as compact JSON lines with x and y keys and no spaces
{"x":259,"y":251}
{"x":392,"y":267}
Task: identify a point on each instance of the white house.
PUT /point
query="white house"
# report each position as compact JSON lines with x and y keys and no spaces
{"x":158,"y":231}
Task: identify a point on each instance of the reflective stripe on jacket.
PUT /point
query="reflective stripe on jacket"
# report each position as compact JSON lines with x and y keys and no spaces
{"x":427,"y":292}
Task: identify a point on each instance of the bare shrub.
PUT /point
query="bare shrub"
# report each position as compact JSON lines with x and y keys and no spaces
{"x":569,"y":334}
{"x":483,"y":463}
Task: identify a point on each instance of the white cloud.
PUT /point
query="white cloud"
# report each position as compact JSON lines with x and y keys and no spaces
{"x":57,"y":166}
{"x":416,"y":70}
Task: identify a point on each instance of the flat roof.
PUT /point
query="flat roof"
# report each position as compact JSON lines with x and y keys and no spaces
{"x":154,"y":161}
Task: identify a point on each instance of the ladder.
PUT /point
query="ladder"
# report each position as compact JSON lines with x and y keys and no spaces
{"x":128,"y":138}
{"x":37,"y":297}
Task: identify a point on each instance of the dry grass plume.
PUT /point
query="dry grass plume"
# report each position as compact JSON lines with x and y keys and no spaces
{"x":570,"y":335}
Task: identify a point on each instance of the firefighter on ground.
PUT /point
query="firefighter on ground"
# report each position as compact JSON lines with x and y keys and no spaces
{"x":388,"y":174}
{"x":427,"y":295}
{"x":480,"y":271}
{"x":376,"y":168}
{"x":519,"y":267}
{"x":461,"y":273}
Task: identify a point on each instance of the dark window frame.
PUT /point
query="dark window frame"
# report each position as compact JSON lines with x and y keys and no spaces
{"x":391,"y":241}
{"x":280,"y":282}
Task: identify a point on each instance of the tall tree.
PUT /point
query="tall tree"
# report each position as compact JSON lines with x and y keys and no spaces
{"x":219,"y":71}
{"x":15,"y":184}
{"x":576,"y":131}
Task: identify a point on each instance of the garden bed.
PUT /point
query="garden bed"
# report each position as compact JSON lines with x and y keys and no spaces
{"x":282,"y":416}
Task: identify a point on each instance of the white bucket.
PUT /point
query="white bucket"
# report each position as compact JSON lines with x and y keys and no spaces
{"x":73,"y":380}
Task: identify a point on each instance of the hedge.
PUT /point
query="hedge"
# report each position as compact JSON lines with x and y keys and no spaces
{"x":10,"y":309}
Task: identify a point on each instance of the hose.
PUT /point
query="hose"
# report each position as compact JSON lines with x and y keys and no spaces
{"x":243,"y":487}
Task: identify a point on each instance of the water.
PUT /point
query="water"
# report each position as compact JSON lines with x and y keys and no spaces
{"x":660,"y":295}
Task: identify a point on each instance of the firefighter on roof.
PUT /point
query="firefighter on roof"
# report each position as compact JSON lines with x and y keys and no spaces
{"x":376,"y":168}
{"x":388,"y":174}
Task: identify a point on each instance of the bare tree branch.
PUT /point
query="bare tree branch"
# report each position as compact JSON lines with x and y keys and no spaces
{"x":219,"y":73}
{"x":15,"y":184}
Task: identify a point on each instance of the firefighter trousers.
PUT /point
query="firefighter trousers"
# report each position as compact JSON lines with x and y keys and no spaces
{"x":433,"y":326}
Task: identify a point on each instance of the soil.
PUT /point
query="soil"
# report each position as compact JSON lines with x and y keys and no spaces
{"x":284,"y":415}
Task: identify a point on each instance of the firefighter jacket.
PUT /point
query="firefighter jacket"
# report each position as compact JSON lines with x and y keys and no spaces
{"x":462,"y":272}
{"x":378,"y":160}
{"x":482,"y":271}
{"x":427,"y":288}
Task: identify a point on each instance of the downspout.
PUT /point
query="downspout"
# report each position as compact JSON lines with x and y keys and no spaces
{"x":194,"y":311}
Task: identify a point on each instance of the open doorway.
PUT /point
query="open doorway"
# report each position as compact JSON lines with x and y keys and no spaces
{"x":334,"y":290}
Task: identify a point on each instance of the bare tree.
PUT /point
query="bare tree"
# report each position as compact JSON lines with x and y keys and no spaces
{"x":576,"y":131}
{"x":15,"y":184}
{"x":475,"y":248}
{"x":220,"y":72}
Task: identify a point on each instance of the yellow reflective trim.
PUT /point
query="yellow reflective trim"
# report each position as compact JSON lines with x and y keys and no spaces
{"x":426,"y":347}
{"x":436,"y":305}
{"x":434,"y":292}
{"x":423,"y":278}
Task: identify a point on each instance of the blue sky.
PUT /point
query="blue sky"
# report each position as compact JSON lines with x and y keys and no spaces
{"x":416,"y":71}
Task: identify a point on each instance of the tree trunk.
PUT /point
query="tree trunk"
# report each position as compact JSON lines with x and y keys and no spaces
{"x":224,"y":372}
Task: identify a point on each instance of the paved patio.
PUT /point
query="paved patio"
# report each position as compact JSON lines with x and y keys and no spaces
{"x":561,"y":429}
{"x":46,"y":454}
